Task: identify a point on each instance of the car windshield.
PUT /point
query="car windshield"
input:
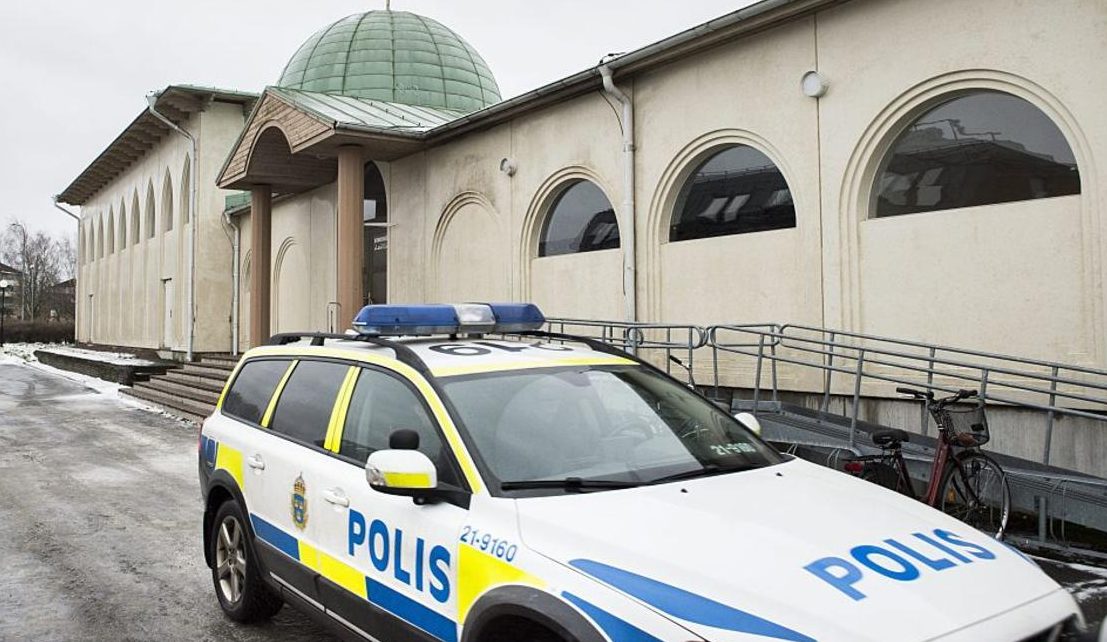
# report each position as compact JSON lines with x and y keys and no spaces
{"x":597,"y":428}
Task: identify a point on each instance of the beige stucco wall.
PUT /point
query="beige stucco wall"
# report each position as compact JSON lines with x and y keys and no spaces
{"x":303,"y":262}
{"x":1023,"y":278}
{"x":122,"y":293}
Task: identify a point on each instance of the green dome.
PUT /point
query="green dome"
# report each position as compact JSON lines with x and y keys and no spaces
{"x":394,"y":56}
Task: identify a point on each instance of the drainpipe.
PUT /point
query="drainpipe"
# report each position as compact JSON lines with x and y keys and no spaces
{"x":236,"y":244}
{"x":629,"y":237}
{"x":67,"y":212}
{"x":152,"y":99}
{"x":77,"y":270}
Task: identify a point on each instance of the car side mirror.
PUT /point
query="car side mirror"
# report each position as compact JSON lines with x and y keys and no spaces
{"x":749,"y":421}
{"x":408,"y":473}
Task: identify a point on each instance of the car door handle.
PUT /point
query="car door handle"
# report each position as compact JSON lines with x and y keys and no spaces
{"x":256,"y":462}
{"x":336,"y":497}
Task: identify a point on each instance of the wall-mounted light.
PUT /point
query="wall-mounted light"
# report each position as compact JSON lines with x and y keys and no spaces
{"x":814,"y":84}
{"x":508,"y":166}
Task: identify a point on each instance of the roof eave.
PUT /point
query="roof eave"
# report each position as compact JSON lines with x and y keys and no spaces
{"x":754,"y":18}
{"x":125,"y":149}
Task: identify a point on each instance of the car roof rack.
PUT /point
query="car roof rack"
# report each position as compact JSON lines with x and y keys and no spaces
{"x":410,"y":357}
{"x":405,"y":354}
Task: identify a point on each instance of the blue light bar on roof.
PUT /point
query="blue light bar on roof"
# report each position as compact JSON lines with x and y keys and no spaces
{"x":407,"y":319}
{"x":430,"y":319}
{"x":517,"y":317}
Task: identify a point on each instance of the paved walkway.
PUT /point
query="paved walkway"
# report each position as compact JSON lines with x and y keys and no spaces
{"x":100,"y":522}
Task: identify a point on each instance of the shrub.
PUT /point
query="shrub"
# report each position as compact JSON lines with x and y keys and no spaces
{"x":38,"y":331}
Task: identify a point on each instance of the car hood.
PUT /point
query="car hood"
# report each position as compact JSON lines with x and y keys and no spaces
{"x":793,"y":551}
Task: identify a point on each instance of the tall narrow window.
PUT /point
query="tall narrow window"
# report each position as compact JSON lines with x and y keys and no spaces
{"x":374,"y":271}
{"x":186,"y":194}
{"x":978,"y":148}
{"x":736,"y":190}
{"x":136,"y":233}
{"x":122,"y":224}
{"x":151,"y":213}
{"x":111,"y":232}
{"x":581,"y":220}
{"x":167,"y":202}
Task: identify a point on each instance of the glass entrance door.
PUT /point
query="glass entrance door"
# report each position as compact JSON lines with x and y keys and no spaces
{"x":374,"y":272}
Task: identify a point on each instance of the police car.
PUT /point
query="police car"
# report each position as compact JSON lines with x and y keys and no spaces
{"x":451,"y":473}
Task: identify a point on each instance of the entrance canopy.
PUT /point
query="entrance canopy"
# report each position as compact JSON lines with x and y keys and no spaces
{"x":291,"y":139}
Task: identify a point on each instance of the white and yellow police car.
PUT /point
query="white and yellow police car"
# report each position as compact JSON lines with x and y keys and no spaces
{"x":419,"y":481}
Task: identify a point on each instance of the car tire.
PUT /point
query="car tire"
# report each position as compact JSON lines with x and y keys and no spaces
{"x":243,"y":594}
{"x":515,"y":629}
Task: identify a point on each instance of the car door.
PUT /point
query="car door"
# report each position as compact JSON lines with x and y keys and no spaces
{"x":285,"y":460}
{"x":388,"y":564}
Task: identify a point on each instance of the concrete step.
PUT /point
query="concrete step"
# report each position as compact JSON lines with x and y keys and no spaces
{"x":193,"y":381}
{"x":220,"y":361}
{"x":198,"y":370}
{"x":159,"y":384}
{"x":193,"y":411}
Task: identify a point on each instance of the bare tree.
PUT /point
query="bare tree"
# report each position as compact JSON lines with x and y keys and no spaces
{"x":41,"y":261}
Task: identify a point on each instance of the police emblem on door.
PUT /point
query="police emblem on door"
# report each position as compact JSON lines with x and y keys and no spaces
{"x":299,"y":503}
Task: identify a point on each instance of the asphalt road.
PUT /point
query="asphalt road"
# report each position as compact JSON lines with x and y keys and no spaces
{"x":100,"y":524}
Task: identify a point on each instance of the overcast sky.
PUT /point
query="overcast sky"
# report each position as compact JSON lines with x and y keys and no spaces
{"x":74,"y":73}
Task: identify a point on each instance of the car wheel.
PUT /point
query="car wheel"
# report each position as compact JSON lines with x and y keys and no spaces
{"x":514,"y":629}
{"x":243,"y":594}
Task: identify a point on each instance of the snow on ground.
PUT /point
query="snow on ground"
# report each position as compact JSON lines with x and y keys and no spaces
{"x":16,"y":352}
{"x":24,"y":354}
{"x":1090,"y":587}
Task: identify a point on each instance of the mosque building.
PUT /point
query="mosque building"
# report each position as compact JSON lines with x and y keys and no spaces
{"x":903,"y":168}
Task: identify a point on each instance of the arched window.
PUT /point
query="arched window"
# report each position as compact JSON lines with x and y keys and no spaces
{"x":136,"y":230}
{"x":167,"y":202}
{"x":151,"y":213}
{"x":977,"y":148}
{"x":111,"y":232}
{"x":736,"y":190}
{"x":122,"y":224}
{"x":100,"y":239}
{"x":580,"y":220}
{"x":186,"y":183}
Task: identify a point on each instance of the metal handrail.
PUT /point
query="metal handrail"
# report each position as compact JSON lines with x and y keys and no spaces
{"x":1000,"y":379}
{"x":932,"y":360}
{"x":933,"y":364}
{"x":633,"y":337}
{"x":965,"y":351}
{"x":968,"y":365}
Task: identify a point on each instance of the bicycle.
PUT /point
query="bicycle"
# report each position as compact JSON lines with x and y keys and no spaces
{"x":964,"y":482}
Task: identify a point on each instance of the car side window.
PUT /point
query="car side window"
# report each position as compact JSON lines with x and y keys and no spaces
{"x":382,"y":404}
{"x":304,"y":410}
{"x":253,"y":388}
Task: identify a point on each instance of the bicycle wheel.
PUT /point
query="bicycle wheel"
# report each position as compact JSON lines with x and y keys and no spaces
{"x":976,"y":493}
